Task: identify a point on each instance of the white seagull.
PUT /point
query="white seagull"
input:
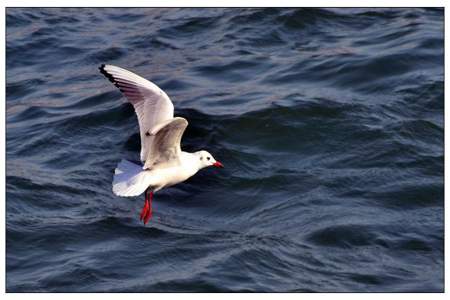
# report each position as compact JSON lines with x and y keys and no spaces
{"x":164,"y":164}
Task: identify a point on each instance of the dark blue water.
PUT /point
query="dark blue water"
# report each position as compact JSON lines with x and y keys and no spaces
{"x":329,"y":123}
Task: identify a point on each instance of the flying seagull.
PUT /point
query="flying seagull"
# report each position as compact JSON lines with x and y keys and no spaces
{"x":163,"y":162}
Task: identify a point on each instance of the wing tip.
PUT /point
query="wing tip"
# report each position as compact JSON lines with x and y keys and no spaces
{"x":106,"y":74}
{"x":102,"y":69}
{"x":109,"y":76}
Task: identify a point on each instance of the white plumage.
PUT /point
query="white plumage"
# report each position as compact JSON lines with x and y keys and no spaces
{"x":151,"y":104}
{"x":129,"y":180}
{"x":164,"y":163}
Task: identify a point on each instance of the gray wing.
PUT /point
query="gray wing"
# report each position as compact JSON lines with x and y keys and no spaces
{"x":151,"y":104}
{"x":165,"y":149}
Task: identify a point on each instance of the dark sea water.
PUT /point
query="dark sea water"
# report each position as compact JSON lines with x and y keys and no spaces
{"x":329,"y":123}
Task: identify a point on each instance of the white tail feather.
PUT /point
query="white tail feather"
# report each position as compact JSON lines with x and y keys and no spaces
{"x":129,"y":179}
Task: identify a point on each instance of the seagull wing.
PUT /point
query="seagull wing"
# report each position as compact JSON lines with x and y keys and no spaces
{"x":166,"y":148}
{"x":152,"y":105}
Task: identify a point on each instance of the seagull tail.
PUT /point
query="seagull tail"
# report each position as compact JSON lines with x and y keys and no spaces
{"x":129,"y":179}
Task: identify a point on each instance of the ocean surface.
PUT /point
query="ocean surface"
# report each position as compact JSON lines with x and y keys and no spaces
{"x":329,"y":123}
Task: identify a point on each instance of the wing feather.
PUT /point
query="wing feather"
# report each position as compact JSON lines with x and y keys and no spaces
{"x":166,"y":147}
{"x":151,"y":104}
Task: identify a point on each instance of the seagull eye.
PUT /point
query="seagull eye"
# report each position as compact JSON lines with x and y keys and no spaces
{"x":201,"y":158}
{"x":208,"y":158}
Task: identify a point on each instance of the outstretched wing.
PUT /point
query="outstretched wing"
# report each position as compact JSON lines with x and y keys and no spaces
{"x":151,"y":104}
{"x":166,"y":148}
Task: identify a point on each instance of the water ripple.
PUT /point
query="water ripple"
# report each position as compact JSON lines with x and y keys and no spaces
{"x":329,"y":122}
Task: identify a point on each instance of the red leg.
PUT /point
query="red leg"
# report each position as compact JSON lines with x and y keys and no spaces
{"x":148,"y":215}
{"x":145,"y":208}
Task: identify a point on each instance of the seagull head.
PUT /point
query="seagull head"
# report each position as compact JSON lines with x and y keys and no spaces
{"x":207,"y":160}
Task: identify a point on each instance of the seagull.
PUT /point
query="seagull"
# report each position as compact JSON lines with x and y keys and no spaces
{"x":163,"y":162}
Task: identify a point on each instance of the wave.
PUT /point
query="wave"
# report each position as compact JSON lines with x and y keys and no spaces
{"x":329,"y":123}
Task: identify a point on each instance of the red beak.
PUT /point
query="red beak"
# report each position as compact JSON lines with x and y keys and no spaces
{"x":218,"y":164}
